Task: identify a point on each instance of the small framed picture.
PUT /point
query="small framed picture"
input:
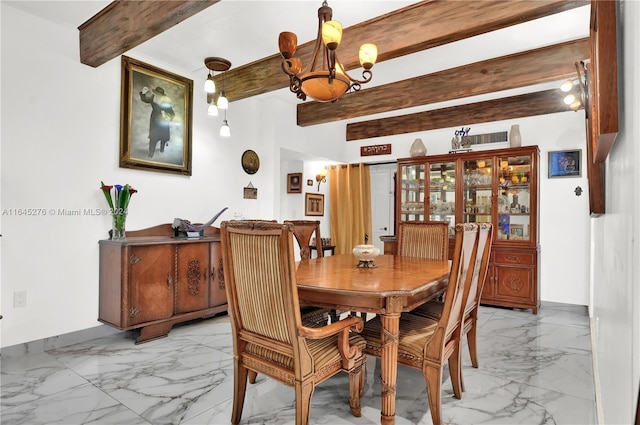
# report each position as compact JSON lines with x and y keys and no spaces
{"x":314,"y":204}
{"x":294,"y":183}
{"x":565,"y":163}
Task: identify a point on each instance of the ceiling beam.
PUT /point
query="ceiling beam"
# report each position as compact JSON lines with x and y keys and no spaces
{"x":523,"y":69}
{"x":408,"y":30}
{"x":520,"y":106}
{"x":123,"y":25}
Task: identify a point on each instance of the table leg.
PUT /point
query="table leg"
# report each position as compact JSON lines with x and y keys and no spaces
{"x":389,"y":366}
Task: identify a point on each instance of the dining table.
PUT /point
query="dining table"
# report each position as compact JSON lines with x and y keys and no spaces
{"x":395,"y":285}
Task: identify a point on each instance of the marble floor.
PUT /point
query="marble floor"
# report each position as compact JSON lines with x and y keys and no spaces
{"x":533,"y":370}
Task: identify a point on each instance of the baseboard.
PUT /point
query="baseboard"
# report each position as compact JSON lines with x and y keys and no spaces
{"x":596,"y":374}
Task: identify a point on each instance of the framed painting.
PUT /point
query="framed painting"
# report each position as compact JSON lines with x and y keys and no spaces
{"x":565,"y":163}
{"x":314,"y":204}
{"x":294,"y":183}
{"x":155,"y":119}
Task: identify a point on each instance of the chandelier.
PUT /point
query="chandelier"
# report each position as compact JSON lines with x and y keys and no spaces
{"x":324,"y":79}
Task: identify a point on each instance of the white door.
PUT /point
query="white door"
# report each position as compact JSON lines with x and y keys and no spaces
{"x":382,"y":207}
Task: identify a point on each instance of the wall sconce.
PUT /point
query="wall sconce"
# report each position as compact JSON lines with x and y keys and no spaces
{"x":322,"y":177}
{"x":577,"y":100}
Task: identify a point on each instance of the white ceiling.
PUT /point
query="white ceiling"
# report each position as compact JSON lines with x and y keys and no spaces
{"x":244,"y":31}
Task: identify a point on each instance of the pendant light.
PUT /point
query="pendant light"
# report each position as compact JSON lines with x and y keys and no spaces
{"x":225,"y":130}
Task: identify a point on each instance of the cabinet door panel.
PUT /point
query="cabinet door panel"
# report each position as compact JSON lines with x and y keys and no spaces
{"x":217,"y":295}
{"x":514,"y":283}
{"x":192,"y":285}
{"x":150,"y":284}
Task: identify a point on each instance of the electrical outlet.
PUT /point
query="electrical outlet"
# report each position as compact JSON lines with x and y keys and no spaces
{"x":20,"y":299}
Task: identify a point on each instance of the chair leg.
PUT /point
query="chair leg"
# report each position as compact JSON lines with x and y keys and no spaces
{"x":471,"y":340}
{"x":433,"y":376}
{"x":355,"y":390}
{"x":304,"y":391}
{"x":239,"y":389}
{"x":252,"y":377}
{"x":455,"y":372}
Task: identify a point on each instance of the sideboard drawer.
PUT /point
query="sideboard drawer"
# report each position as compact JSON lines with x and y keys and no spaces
{"x":520,"y":258}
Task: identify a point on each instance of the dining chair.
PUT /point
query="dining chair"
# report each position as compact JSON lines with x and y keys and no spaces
{"x":425,"y":239}
{"x":267,"y":330}
{"x":433,"y":309}
{"x":304,"y":231}
{"x":426,"y":344}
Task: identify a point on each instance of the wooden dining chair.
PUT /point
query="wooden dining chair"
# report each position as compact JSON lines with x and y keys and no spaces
{"x":304,"y":231}
{"x":426,"y":344}
{"x":433,"y":309}
{"x":424,"y":239}
{"x":268,"y":334}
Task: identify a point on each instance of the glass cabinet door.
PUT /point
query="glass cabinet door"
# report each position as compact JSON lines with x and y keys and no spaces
{"x":442,"y":193}
{"x":477,"y":190}
{"x":412,"y":194}
{"x":514,"y":201}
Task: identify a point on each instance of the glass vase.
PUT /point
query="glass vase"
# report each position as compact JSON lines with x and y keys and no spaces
{"x":118,"y":226}
{"x":515,"y":139}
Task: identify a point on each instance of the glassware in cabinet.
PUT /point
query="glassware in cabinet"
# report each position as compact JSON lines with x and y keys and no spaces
{"x":442,"y":192}
{"x":477,"y":190}
{"x":514,"y":198}
{"x":412,"y":195}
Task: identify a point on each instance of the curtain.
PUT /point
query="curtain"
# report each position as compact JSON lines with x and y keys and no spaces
{"x":350,"y":206}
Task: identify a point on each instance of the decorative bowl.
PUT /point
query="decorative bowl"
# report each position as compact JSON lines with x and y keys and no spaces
{"x":365,"y":254}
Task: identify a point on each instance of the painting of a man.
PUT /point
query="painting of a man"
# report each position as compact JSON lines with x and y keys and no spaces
{"x":161,"y":116}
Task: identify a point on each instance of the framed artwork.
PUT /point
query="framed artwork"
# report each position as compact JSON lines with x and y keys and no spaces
{"x":565,"y":163}
{"x":313,"y":204}
{"x":250,"y":161}
{"x":155,"y":119}
{"x":294,"y":183}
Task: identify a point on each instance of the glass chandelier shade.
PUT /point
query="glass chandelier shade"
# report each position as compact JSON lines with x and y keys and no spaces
{"x":325,"y":78}
{"x":225,"y":130}
{"x":209,"y":84}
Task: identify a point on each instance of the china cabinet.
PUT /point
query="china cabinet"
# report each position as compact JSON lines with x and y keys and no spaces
{"x":495,"y":186}
{"x":152,"y":281}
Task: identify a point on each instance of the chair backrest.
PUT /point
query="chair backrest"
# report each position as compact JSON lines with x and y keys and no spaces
{"x":485,"y":239}
{"x":261,"y":286}
{"x":303,"y":230}
{"x":424,"y":239}
{"x":462,"y":265}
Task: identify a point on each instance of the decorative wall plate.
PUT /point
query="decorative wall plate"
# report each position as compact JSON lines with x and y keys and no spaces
{"x":250,"y":162}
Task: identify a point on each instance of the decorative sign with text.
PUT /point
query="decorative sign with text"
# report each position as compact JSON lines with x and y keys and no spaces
{"x":375,"y":150}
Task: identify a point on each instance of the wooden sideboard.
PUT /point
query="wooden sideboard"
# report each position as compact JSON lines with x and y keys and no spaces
{"x":151,"y":280}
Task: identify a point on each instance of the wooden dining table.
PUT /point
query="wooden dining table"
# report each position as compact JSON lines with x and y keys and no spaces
{"x":397,"y":284}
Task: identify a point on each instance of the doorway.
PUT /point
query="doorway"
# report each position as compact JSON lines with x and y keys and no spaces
{"x":382,"y":202}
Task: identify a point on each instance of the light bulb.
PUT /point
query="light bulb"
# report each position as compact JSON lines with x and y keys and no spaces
{"x":569,"y":99}
{"x":223,"y":102}
{"x":225,"y":130}
{"x":368,"y":55}
{"x":332,"y":34}
{"x":212,"y":110}
{"x":566,"y":86}
{"x":209,"y":85}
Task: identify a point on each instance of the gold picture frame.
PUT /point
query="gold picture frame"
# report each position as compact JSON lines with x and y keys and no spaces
{"x":294,"y":183}
{"x":155,"y":119}
{"x":314,"y":204}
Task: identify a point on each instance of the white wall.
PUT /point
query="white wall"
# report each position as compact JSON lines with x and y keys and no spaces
{"x":616,"y":270}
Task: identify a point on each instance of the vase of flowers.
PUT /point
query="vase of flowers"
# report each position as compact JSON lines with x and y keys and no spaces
{"x":118,"y":197}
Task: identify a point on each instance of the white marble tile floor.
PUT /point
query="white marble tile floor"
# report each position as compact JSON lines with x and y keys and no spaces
{"x":533,"y":370}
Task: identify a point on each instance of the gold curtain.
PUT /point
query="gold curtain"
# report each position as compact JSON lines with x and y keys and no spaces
{"x":350,"y":206}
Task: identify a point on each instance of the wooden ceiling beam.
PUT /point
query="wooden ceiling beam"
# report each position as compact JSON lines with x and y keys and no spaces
{"x":408,"y":30}
{"x":523,"y":69}
{"x":520,"y":106}
{"x":123,"y":25}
